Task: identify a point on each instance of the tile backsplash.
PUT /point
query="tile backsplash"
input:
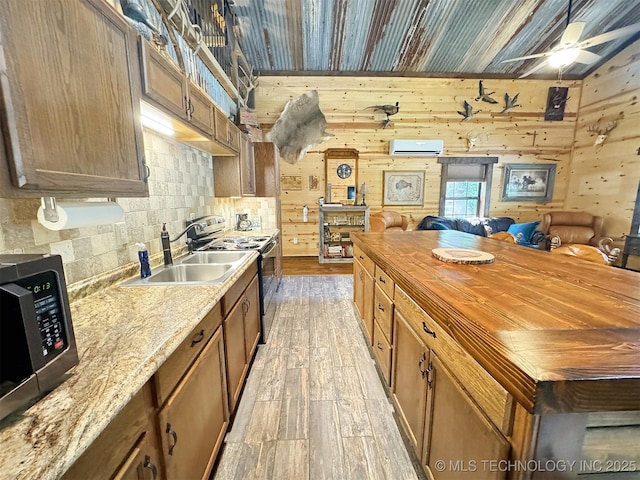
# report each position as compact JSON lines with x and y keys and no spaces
{"x":180,"y":188}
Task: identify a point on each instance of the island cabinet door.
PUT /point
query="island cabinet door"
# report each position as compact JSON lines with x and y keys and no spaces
{"x":142,"y":463}
{"x":194,"y":419}
{"x":460,"y":441}
{"x":363,"y":287}
{"x":251,"y":310}
{"x":409,"y":380}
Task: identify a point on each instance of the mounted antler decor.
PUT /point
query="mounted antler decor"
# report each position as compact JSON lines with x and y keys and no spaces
{"x":602,"y":132}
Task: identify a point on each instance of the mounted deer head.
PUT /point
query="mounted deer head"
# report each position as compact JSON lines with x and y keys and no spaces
{"x":602,"y":132}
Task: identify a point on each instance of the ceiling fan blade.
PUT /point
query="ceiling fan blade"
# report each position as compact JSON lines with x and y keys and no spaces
{"x":533,"y":70}
{"x":572,"y":33}
{"x":588,"y":57}
{"x":526,"y":57}
{"x":612,"y":35}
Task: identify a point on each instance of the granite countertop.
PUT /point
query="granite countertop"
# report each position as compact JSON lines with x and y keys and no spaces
{"x":123,"y":335}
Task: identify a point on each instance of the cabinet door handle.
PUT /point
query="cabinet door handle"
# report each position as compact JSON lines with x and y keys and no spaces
{"x":361,"y":275}
{"x":381,"y":280}
{"x":427,"y":331}
{"x":174,"y":435}
{"x":198,"y":339}
{"x":423,"y":358}
{"x":148,"y":464}
{"x":379,"y":346}
{"x":245,"y":306}
{"x":360,"y":257}
{"x":430,"y":373}
{"x":147,"y":171}
{"x":192,"y":108}
{"x":381,"y":308}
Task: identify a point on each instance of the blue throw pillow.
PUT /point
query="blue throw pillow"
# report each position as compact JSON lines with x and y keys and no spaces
{"x":526,"y":229}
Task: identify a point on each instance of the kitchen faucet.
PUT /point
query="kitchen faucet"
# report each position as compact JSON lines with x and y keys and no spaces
{"x":198,"y":226}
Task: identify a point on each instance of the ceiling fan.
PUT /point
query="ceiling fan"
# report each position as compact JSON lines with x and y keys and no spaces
{"x":571,"y":49}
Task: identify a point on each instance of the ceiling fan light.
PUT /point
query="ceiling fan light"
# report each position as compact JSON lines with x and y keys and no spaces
{"x":564,"y":57}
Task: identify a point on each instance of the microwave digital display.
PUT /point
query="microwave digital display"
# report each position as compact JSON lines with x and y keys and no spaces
{"x":44,"y":287}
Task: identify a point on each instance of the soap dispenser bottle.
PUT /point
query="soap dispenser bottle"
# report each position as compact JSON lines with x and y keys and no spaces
{"x":143,"y":256}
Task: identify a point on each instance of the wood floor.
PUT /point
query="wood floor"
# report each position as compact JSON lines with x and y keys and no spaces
{"x":313,"y":406}
{"x":311,"y":266}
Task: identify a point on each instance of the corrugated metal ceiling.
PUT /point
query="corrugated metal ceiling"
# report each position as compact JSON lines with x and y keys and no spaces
{"x":461,"y":38}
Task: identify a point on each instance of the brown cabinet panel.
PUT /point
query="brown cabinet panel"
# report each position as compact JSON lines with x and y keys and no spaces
{"x":267,"y":160}
{"x":221,"y":126}
{"x":383,"y":312}
{"x":194,"y":419}
{"x":200,"y":110}
{"x":162,"y":82}
{"x":234,"y":136}
{"x":385,"y":282}
{"x":251,"y":310}
{"x":247,"y":166}
{"x":382,"y":349}
{"x":363,"y":288}
{"x":70,"y":113}
{"x":236,"y":356}
{"x":171,"y":371}
{"x":143,"y":461}
{"x":116,"y":443}
{"x":459,"y":434}
{"x":409,"y":380}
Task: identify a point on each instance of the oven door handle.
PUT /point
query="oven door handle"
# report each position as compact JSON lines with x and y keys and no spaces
{"x":268,"y":252}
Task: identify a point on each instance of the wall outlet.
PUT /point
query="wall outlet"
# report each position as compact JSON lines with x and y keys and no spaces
{"x":295,"y":240}
{"x":122,"y":236}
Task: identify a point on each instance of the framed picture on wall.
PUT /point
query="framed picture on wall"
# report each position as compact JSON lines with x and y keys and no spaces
{"x":528,"y":182}
{"x":403,"y":188}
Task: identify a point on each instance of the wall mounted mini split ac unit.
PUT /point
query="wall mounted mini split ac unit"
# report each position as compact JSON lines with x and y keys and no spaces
{"x":416,"y":148}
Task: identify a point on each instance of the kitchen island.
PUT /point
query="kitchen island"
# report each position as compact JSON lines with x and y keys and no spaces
{"x":543,"y":351}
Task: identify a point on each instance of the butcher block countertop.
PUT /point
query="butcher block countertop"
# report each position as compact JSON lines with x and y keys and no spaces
{"x":123,"y":335}
{"x":558,"y":333}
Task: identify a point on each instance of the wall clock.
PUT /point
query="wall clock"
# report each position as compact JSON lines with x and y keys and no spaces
{"x":344,"y":170}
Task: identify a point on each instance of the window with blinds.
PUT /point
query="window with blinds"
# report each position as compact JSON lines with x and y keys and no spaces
{"x":465,"y":186}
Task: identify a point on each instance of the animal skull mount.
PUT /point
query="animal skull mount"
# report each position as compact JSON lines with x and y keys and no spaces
{"x":474,"y":137}
{"x":602,"y":132}
{"x":300,"y":127}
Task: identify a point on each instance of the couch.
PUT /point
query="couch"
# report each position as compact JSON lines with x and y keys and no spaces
{"x":485,"y":226}
{"x":387,"y":220}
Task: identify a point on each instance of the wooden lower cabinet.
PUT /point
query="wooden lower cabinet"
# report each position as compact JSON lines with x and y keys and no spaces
{"x":242,"y":333}
{"x":409,"y":387}
{"x":363,"y":287}
{"x":140,"y":465}
{"x":124,"y":447}
{"x":451,"y":434}
{"x":382,"y":351}
{"x":462,"y":443}
{"x":194,"y":420}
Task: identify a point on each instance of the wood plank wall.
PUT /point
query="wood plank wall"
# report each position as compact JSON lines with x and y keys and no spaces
{"x":604,"y":179}
{"x":428,"y":109}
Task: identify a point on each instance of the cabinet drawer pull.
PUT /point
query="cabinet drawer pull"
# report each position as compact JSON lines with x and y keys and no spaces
{"x":174,"y":435}
{"x":381,"y":308}
{"x":198,"y":339}
{"x":427,"y":331}
{"x":381,"y":280}
{"x":147,"y":464}
{"x":379,"y":346}
{"x":360,"y":257}
{"x":245,"y":307}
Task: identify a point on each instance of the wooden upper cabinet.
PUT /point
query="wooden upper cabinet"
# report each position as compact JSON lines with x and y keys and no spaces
{"x":200,"y":109}
{"x":247,"y":166}
{"x":163,"y":83}
{"x":70,"y":108}
{"x":226,"y":133}
{"x":267,"y":160}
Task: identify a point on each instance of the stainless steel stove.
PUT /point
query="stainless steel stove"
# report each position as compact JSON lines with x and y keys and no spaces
{"x":268,"y":280}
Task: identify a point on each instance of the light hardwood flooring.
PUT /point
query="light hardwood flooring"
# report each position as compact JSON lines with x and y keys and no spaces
{"x":313,"y":406}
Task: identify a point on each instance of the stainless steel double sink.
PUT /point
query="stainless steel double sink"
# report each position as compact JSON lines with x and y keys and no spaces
{"x":200,"y":268}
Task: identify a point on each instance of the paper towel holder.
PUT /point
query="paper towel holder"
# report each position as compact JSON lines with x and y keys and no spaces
{"x":49,"y":209}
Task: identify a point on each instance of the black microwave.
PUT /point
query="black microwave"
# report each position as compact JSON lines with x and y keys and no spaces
{"x":37,"y":343}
